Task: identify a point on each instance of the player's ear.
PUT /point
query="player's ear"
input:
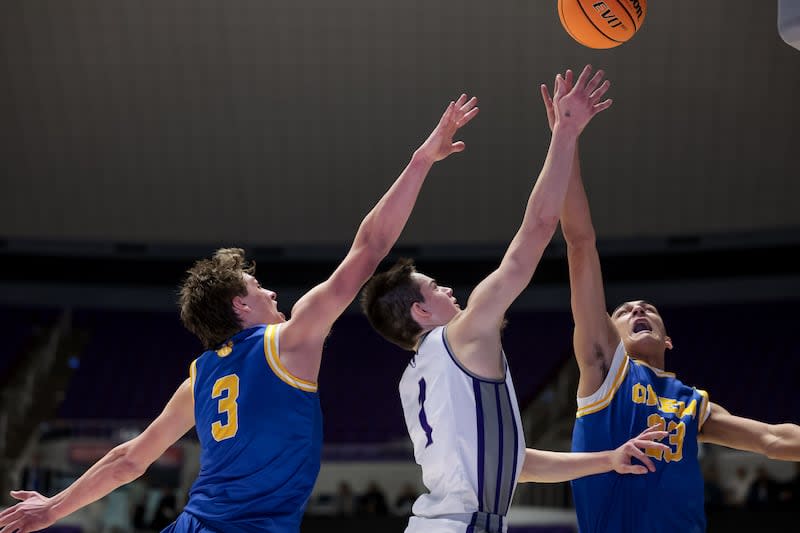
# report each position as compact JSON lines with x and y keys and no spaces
{"x":419,"y":313}
{"x":238,"y":304}
{"x":668,"y":342}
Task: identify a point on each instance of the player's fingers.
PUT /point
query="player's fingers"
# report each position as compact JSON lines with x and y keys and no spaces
{"x":652,"y":434}
{"x":458,"y":146}
{"x":469,"y":104}
{"x":461,"y":100}
{"x":446,"y":116}
{"x":632,"y":469}
{"x":469,"y":116}
{"x":556,"y":86}
{"x":595,"y":81}
{"x":641,"y":456}
{"x":602,"y":106}
{"x":22,"y":494}
{"x":643,"y":444}
{"x":13,"y":527}
{"x":598,"y":93}
{"x":558,"y":91}
{"x":546,"y":98}
{"x":8,"y":515}
{"x":584,"y":77}
{"x":569,"y":77}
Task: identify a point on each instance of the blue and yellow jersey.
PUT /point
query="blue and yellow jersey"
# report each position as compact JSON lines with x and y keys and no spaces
{"x":260,"y":431}
{"x":633,"y":397}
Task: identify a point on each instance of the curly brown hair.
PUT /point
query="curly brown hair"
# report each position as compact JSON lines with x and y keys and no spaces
{"x":387,"y":298}
{"x":207,"y":292}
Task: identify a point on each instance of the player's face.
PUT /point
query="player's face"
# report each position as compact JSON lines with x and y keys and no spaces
{"x":439,"y":301}
{"x":640,"y":327}
{"x":262,"y":302}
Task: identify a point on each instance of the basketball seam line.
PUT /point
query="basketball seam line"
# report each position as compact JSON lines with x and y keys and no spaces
{"x":625,"y":9}
{"x":580,"y":5}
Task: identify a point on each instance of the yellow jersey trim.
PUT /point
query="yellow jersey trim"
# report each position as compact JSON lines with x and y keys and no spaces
{"x":192,"y":376}
{"x":274,"y":362}
{"x":704,"y":407}
{"x":603,"y":402}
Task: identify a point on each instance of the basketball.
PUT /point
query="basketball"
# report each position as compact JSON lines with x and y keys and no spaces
{"x":602,"y":24}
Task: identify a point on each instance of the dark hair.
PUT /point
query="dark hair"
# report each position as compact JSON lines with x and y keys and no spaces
{"x":387,"y":298}
{"x":207,"y":292}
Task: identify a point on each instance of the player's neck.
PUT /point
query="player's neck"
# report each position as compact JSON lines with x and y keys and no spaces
{"x":655,"y":360}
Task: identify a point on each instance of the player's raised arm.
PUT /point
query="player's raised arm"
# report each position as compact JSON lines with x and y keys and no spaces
{"x":595,"y":337}
{"x":573,"y":108}
{"x":314,"y":314}
{"x":121,"y":465}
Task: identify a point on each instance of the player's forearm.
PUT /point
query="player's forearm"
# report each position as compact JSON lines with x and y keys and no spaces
{"x":112,"y":471}
{"x":555,"y":467}
{"x":382,"y":226}
{"x":576,"y":217}
{"x":785,"y":442}
{"x":540,"y":220}
{"x":547,"y":198}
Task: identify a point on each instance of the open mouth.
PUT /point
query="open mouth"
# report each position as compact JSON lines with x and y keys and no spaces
{"x":641,"y":325}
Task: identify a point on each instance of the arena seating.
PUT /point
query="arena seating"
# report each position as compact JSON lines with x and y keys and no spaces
{"x":135,"y":360}
{"x":19,"y":326}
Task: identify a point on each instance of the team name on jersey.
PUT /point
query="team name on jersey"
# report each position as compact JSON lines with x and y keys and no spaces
{"x":644,"y":394}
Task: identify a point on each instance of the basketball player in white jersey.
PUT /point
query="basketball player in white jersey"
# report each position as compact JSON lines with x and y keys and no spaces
{"x":458,"y":398}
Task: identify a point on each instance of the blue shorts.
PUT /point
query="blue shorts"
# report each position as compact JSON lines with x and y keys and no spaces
{"x":186,"y":523}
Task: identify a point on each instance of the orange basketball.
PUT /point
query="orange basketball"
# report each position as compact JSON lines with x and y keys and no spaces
{"x":602,"y":24}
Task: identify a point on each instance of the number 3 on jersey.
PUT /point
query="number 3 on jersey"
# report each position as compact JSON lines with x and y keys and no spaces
{"x":226,"y":389}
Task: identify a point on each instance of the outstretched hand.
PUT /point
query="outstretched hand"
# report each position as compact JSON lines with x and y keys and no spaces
{"x":30,"y":514}
{"x":622,"y":456}
{"x":439,"y":143}
{"x":574,"y":103}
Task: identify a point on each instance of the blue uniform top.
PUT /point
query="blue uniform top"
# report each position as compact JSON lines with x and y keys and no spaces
{"x":260,"y":431}
{"x":633,"y":397}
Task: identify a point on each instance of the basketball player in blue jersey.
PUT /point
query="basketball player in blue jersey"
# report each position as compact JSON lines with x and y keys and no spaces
{"x":252,"y":396}
{"x":623,"y":388}
{"x":457,"y":395}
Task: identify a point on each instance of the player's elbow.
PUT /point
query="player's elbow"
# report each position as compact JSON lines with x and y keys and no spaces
{"x":528,"y":472}
{"x":782,"y":443}
{"x":546,"y":225}
{"x":125,"y":466}
{"x":129,"y":470}
{"x":373,"y":242}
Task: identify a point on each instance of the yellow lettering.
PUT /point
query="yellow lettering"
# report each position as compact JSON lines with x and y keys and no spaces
{"x":667,"y":405}
{"x":638,"y":392}
{"x":691,"y":410}
{"x":652,"y":397}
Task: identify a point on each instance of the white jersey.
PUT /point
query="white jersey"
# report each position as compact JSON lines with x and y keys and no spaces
{"x":468,"y":439}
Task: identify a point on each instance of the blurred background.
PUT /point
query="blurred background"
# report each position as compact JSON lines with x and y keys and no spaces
{"x":136,"y":137}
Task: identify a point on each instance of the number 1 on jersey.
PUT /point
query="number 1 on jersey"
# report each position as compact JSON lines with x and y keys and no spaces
{"x":227,"y":405}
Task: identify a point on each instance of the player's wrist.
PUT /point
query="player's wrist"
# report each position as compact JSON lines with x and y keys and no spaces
{"x":567,"y":128}
{"x":423,"y":157}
